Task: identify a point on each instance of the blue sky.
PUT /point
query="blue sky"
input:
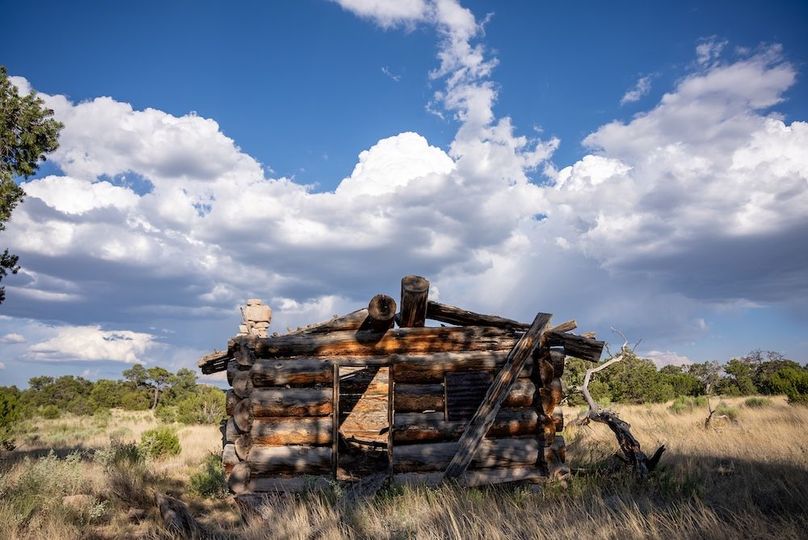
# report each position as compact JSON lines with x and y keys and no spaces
{"x":118,"y":249}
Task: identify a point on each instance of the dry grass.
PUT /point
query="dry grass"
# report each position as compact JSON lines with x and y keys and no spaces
{"x":747,"y":478}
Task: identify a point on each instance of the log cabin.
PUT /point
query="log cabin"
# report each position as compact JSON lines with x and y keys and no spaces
{"x":416,"y":392}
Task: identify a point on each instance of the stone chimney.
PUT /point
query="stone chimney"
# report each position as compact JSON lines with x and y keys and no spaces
{"x":255,"y":318}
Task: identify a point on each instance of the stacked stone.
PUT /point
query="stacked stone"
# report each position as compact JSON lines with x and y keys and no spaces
{"x":256,"y":317}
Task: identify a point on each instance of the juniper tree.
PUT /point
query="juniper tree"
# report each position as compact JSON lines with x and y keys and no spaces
{"x":27,"y":132}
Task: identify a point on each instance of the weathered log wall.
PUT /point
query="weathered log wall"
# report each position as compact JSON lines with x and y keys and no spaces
{"x":301,"y":404}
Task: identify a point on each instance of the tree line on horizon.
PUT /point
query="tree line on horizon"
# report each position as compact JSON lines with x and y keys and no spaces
{"x":177,"y":397}
{"x":638,"y":380}
{"x":174,"y":397}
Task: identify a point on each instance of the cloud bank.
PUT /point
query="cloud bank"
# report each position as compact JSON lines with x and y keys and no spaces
{"x":695,"y":204}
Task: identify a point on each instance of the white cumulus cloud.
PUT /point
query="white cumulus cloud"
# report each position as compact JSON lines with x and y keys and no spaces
{"x":93,"y":343}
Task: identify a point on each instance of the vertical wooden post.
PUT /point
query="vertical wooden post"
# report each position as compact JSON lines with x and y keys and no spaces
{"x":391,"y":418}
{"x":335,"y":422}
{"x":414,"y":293}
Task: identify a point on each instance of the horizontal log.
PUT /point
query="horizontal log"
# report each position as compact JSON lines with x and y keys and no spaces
{"x":421,"y":368}
{"x":351,"y":321}
{"x":214,"y":362}
{"x":423,"y":427}
{"x":292,"y":372}
{"x":410,"y":397}
{"x":280,"y":431}
{"x":479,"y":477}
{"x":281,"y":484}
{"x":418,"y":397}
{"x":291,"y":402}
{"x":490,"y":453}
{"x":289,"y":459}
{"x":395,"y":341}
{"x":461,"y":317}
{"x":578,"y":346}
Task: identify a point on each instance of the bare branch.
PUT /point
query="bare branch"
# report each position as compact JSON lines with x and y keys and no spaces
{"x":622,"y":430}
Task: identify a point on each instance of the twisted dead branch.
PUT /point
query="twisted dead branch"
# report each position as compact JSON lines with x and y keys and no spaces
{"x":630,"y":446}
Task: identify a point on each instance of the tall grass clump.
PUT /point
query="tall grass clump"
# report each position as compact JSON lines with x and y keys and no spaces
{"x":41,"y":496}
{"x":757,"y":402}
{"x":686,"y":404}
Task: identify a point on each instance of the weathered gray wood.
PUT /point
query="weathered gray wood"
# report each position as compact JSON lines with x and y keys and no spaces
{"x":242,"y":384}
{"x":242,"y":445}
{"x":381,"y":313}
{"x":414,"y":293}
{"x":294,"y":484}
{"x":290,"y":459}
{"x":351,"y":321}
{"x":557,"y":359}
{"x":335,"y":400}
{"x":291,"y":371}
{"x":213,"y":362}
{"x":461,"y":317}
{"x":231,"y":431}
{"x":408,"y":341}
{"x":428,"y":427}
{"x":489,"y":453}
{"x":418,"y":397}
{"x":317,"y":430}
{"x":551,"y":396}
{"x":229,"y":457}
{"x":242,"y":415}
{"x":414,"y":397}
{"x":291,"y":402}
{"x":234,"y":368}
{"x":424,"y":368}
{"x":230,"y":401}
{"x":578,"y":346}
{"x":486,"y":413}
{"x":244,"y":354}
{"x":239,"y":478}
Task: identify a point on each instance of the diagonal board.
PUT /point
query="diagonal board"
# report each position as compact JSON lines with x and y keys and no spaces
{"x":480,"y":423}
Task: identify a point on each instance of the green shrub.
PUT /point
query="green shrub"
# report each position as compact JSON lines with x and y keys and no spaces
{"x":725,"y":410}
{"x":206,"y":406}
{"x":166,"y":413}
{"x":757,"y":402}
{"x":160,"y":442}
{"x":209,"y":480}
{"x":119,"y":453}
{"x":686,"y":404}
{"x":797,"y":398}
{"x":50,"y":412}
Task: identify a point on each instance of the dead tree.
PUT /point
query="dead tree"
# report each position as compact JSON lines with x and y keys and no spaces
{"x":630,"y":446}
